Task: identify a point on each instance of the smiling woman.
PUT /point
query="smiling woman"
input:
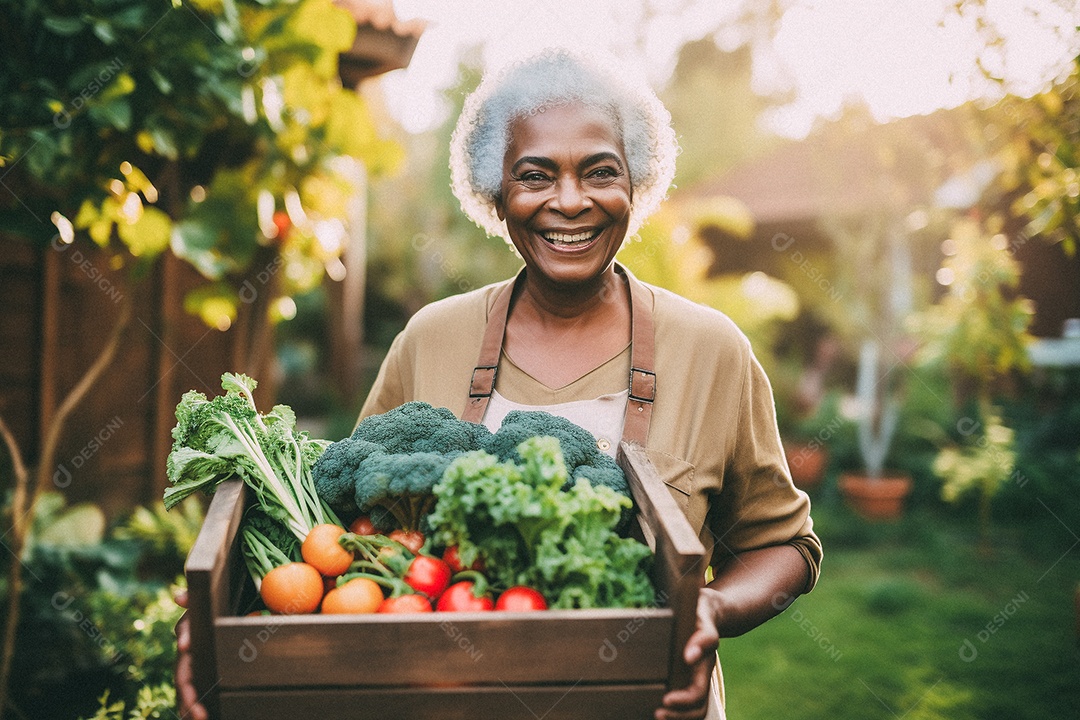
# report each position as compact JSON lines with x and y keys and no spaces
{"x":564,"y":158}
{"x":565,"y":161}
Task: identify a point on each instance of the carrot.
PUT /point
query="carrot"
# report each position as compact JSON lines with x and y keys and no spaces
{"x":292,"y":589}
{"x":322,"y":550}
{"x":358,"y":595}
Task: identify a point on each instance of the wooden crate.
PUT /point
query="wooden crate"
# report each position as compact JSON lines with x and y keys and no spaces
{"x":556,"y":665}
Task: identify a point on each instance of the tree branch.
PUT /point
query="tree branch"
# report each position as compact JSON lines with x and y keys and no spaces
{"x":23,"y":508}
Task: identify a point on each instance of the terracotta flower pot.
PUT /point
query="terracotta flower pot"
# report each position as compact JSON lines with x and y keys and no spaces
{"x":807,"y":464}
{"x":879,"y":498}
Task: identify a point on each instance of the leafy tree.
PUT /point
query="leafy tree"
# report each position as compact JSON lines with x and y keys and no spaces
{"x":215,"y":128}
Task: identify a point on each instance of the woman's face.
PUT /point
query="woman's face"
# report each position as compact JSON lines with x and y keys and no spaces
{"x":565,"y":192}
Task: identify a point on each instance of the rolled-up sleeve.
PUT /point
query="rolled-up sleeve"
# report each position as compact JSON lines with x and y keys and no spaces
{"x":758,"y":505}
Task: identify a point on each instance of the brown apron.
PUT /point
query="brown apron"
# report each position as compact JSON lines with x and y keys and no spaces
{"x":642,"y":373}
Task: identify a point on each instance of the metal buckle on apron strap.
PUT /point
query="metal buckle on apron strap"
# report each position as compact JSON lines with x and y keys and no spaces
{"x":642,"y":385}
{"x":477,"y":385}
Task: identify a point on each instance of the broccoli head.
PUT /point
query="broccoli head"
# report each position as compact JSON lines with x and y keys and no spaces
{"x":400,"y":483}
{"x":578,"y":444}
{"x":336,"y":471}
{"x":418,"y":427}
{"x":602,"y":470}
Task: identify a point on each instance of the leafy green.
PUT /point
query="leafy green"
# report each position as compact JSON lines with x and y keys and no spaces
{"x":227,"y":436}
{"x":529,"y":530}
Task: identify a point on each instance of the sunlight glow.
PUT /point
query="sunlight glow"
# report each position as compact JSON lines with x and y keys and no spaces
{"x":898,"y":57}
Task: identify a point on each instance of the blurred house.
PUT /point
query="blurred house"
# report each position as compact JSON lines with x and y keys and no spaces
{"x":855,"y":168}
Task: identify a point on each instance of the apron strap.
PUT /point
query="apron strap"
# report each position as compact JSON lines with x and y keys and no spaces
{"x":642,"y":372}
{"x":487,"y":365}
{"x":642,"y":367}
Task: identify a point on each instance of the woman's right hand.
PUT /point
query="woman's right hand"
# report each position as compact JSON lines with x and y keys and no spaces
{"x":187,"y":696}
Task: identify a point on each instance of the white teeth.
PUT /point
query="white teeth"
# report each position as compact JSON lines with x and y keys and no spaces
{"x":562,"y":239}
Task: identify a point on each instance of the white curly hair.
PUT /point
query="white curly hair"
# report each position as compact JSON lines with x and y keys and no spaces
{"x":552,"y":78}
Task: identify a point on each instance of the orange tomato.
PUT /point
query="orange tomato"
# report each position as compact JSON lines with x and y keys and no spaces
{"x":292,"y":589}
{"x":359,"y":595}
{"x":322,"y":550}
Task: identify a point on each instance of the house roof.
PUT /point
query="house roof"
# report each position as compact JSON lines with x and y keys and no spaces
{"x":383,"y":42}
{"x":850,"y":167}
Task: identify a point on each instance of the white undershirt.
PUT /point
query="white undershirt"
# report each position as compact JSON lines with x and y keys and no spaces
{"x":602,"y":416}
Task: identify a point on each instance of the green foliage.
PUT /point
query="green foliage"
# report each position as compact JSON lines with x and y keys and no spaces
{"x":212,"y":127}
{"x":978,"y":334}
{"x":227,"y":436}
{"x":979,"y":329}
{"x":151,"y":703}
{"x":982,"y":466}
{"x":531,"y":531}
{"x":1038,"y":146}
{"x":97,"y":608}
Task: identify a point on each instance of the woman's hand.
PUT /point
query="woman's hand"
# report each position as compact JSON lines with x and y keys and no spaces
{"x":187,"y":696}
{"x":752,"y":587}
{"x":692,"y":702}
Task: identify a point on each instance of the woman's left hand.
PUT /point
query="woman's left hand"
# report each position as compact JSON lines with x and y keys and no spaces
{"x":692,"y":701}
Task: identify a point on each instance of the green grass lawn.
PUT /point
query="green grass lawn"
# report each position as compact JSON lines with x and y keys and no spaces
{"x":910,"y":620}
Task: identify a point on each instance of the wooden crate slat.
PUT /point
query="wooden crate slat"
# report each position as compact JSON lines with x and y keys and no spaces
{"x":560,"y":702}
{"x":607,"y":645}
{"x":679,"y":555}
{"x":209,"y":575}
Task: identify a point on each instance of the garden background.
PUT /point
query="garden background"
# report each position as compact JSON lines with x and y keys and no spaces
{"x":884,"y":196}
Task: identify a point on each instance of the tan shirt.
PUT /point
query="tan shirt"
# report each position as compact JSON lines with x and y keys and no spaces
{"x":713,"y":437}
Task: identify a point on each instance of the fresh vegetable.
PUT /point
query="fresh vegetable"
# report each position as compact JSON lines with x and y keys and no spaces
{"x":530,"y":531}
{"x":428,"y":575}
{"x":401,"y":485}
{"x":412,"y":539}
{"x":359,"y":595}
{"x":227,"y":436}
{"x":419,"y":427}
{"x":292,"y":589}
{"x":321,"y":550}
{"x":582,"y":457}
{"x":415,"y":427}
{"x":466,"y":596}
{"x":519,"y":599}
{"x":363,"y":526}
{"x":453,"y":559}
{"x":405,"y":604}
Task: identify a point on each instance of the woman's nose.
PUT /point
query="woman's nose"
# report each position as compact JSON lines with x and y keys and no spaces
{"x":570,"y":197}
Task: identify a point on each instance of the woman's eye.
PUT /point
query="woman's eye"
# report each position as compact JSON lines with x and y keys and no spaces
{"x":534,"y":179}
{"x":602,"y":175}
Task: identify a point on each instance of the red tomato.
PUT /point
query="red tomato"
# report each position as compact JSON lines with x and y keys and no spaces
{"x":363,"y":526}
{"x":520,"y":599}
{"x":428,"y":575}
{"x":412,"y":539}
{"x":459,"y":598}
{"x":451,"y":557}
{"x":405,"y":604}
